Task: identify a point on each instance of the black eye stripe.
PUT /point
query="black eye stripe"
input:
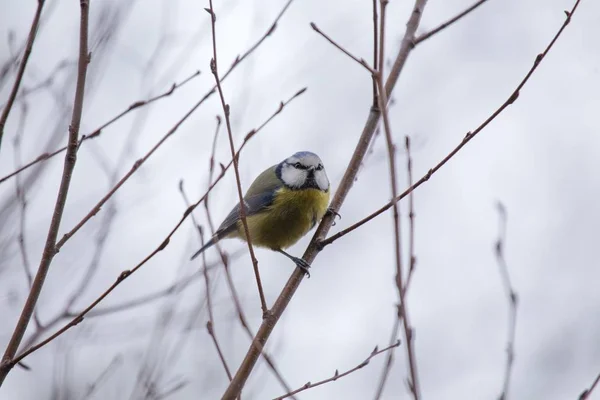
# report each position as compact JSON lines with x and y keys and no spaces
{"x":298,"y":165}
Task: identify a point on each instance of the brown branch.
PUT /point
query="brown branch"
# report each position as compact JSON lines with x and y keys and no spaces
{"x":446,"y":24}
{"x":338,"y":375}
{"x":98,"y":131}
{"x":127,"y":273}
{"x":20,"y":196}
{"x":387,"y":367}
{"x":214,"y":67}
{"x":585,"y":395}
{"x":402,"y":309}
{"x":342,"y":49}
{"x":412,"y":262}
{"x":468,"y":137}
{"x":375,"y":50}
{"x":142,"y":160}
{"x":311,"y":252}
{"x":512,"y":301}
{"x":411,"y":217}
{"x":50,"y":249}
{"x":21,"y":71}
{"x":211,"y":322}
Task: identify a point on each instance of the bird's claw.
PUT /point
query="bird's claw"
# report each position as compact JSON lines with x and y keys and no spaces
{"x":303,"y":265}
{"x":334,"y":213}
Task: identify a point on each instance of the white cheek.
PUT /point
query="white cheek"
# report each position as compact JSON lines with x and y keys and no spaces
{"x":322,"y":181}
{"x":292,"y":177}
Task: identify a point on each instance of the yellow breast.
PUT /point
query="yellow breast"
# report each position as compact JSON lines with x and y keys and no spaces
{"x":292,"y":214}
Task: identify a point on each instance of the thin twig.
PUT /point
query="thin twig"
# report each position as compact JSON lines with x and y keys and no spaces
{"x":211,"y":322}
{"x":225,"y":259}
{"x":387,"y":367}
{"x":110,"y":369}
{"x":21,"y":71}
{"x":412,"y":262}
{"x":375,"y":50}
{"x":127,"y":273}
{"x":314,"y":247}
{"x":468,"y":137}
{"x":585,"y":395}
{"x":402,"y":309}
{"x":446,"y":24}
{"x":411,"y":216}
{"x":22,"y":199}
{"x":69,"y":165}
{"x":98,"y":131}
{"x":142,"y":160}
{"x":237,"y":61}
{"x":214,"y":67}
{"x":512,"y":301}
{"x":342,"y":49}
{"x":338,"y":375}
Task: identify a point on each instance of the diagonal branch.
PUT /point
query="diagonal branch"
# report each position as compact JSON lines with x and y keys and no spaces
{"x":98,"y":131}
{"x":585,"y":395}
{"x":468,"y":137}
{"x":21,"y":71}
{"x":69,"y":165}
{"x":215,"y":70}
{"x":236,"y":62}
{"x":338,"y":375}
{"x":127,"y":273}
{"x":446,"y":24}
{"x":311,"y":252}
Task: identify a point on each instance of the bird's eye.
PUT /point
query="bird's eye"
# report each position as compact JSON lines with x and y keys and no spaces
{"x":319,"y":167}
{"x":298,"y":165}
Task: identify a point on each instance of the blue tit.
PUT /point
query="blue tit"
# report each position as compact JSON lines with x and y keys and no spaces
{"x":283,"y":203}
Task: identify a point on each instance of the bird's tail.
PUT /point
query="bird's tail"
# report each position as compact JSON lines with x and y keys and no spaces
{"x":208,"y":244}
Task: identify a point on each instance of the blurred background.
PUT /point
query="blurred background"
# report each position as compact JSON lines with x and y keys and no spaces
{"x":148,"y":338}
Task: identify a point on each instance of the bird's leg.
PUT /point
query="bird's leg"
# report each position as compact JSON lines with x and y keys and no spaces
{"x":335,"y":214}
{"x":300,"y":263}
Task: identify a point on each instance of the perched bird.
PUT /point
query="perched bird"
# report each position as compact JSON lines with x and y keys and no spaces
{"x":283,"y":203}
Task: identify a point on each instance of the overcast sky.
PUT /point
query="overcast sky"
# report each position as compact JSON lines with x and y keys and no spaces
{"x":540,"y":158}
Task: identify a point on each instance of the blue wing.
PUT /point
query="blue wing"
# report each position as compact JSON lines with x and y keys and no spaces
{"x":253,"y":205}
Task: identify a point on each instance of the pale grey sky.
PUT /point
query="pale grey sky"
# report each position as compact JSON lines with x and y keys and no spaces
{"x":539,"y":158}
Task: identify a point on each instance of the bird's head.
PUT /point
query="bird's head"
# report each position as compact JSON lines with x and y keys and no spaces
{"x":303,"y":170}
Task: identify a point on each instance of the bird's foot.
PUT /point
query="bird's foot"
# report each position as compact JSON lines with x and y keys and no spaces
{"x":303,"y":265}
{"x":331,"y":211}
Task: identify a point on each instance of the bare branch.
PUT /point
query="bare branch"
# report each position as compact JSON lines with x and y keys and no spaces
{"x":446,"y":24}
{"x":387,"y":367}
{"x":211,"y":322}
{"x":214,"y":67}
{"x":127,"y":273}
{"x":585,"y":395}
{"x":311,"y":252}
{"x":468,"y":137}
{"x":342,"y":49}
{"x":512,"y":300}
{"x":411,"y":217}
{"x":338,"y":375}
{"x":21,"y":71}
{"x":402,"y":309}
{"x":375,"y":50}
{"x":70,"y":158}
{"x":98,"y":131}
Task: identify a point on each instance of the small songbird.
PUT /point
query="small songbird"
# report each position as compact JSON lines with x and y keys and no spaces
{"x":283,"y":203}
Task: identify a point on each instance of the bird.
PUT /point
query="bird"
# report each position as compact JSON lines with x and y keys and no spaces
{"x":282,"y":205}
